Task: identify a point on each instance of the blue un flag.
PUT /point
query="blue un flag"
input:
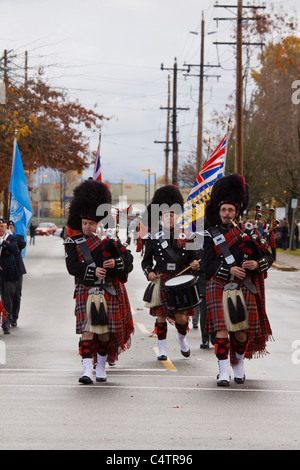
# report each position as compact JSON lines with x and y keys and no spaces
{"x":20,"y":208}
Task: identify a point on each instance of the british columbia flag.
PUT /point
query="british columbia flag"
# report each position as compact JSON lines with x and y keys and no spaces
{"x":97,"y":175}
{"x":212,"y":170}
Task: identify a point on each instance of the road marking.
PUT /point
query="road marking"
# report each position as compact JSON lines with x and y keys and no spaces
{"x":147,"y":387}
{"x":143,"y":328}
{"x":168,"y":363}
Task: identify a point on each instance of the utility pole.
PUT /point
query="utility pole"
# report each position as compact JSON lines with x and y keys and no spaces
{"x":167,"y":141}
{"x":26,"y":69}
{"x":5,"y":75}
{"x":238,"y":163}
{"x":168,"y":133}
{"x":174,"y":121}
{"x":200,"y":103}
{"x":174,"y":128}
{"x":200,"y":100}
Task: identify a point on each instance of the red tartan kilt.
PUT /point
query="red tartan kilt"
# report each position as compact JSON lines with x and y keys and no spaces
{"x":162,"y":310}
{"x":259,"y":330}
{"x":120,"y":321}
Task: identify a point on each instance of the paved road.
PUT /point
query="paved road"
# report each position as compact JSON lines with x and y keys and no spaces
{"x":145,"y":405}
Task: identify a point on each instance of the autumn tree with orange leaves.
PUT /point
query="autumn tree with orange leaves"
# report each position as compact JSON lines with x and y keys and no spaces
{"x":276,"y":118}
{"x":50,"y":129}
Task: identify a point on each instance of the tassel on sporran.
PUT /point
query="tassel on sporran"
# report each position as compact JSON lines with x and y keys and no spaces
{"x":235,"y":310}
{"x":97,"y":313}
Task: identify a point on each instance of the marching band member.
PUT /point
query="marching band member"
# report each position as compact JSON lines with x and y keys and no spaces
{"x":100,"y":268}
{"x":166,"y":255}
{"x":236,"y":266}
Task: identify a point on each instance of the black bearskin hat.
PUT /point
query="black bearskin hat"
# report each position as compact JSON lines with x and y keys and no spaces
{"x":88,"y":195}
{"x":167,"y":197}
{"x":230,"y":189}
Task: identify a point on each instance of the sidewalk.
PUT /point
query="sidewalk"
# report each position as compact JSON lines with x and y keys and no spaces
{"x":286,"y":262}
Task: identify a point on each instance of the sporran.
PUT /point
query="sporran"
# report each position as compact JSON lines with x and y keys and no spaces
{"x":96,"y":309}
{"x":152,"y":296}
{"x":235,"y":309}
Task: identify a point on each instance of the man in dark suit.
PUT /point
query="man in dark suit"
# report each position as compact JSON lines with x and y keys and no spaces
{"x":21,"y":268}
{"x":9,"y":274}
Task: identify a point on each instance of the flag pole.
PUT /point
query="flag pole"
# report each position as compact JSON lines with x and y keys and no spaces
{"x":226,"y":149}
{"x":100,"y":147}
{"x":99,"y":140}
{"x":14,"y":150}
{"x":12,"y":166}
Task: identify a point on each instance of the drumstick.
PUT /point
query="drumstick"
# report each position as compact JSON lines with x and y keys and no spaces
{"x":198,"y":261}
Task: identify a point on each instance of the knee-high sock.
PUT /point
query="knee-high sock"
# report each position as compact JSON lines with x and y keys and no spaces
{"x":102,"y":347}
{"x":239,"y":347}
{"x":182,"y":329}
{"x":86,"y":348}
{"x":222,"y":348}
{"x":161,"y":329}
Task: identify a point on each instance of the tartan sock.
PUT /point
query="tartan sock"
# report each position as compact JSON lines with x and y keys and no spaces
{"x":222,"y":348}
{"x":239,"y":347}
{"x":161,"y":329}
{"x":86,"y":348}
{"x":182,"y":329}
{"x":102,"y":347}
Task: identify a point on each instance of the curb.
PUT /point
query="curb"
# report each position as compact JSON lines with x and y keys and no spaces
{"x":284,"y":268}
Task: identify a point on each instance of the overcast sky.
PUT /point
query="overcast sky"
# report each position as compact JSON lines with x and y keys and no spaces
{"x":109,"y":53}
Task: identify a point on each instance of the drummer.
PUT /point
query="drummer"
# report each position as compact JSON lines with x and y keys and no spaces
{"x":167,"y":253}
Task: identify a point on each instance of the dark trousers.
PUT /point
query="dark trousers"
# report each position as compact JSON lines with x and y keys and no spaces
{"x":7,"y":292}
{"x":17,"y":300}
{"x":201,"y":313}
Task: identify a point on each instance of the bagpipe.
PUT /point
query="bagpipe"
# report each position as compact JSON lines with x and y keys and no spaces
{"x":256,"y":232}
{"x":111,"y":247}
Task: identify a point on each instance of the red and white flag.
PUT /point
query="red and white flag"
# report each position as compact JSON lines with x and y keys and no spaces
{"x":97,"y":175}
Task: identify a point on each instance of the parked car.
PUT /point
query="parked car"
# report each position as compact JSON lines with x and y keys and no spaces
{"x":45,"y":228}
{"x":57,"y":232}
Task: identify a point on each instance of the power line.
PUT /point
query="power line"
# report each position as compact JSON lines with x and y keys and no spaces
{"x":174,"y":110}
{"x":239,"y":75}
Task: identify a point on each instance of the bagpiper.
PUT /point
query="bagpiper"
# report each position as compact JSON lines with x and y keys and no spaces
{"x":100,"y":267}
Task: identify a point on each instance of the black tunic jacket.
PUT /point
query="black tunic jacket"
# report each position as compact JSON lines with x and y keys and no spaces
{"x":159,"y":260}
{"x":85,"y":274}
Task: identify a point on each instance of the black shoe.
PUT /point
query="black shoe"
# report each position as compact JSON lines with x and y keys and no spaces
{"x":186,"y":353}
{"x":85,"y":380}
{"x":223,"y":383}
{"x":204,"y":345}
{"x":6,"y":331}
{"x":13,"y":323}
{"x":101,"y":379}
{"x":239,"y":381}
{"x":162,"y":358}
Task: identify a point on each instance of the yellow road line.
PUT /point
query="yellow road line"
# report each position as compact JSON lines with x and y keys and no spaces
{"x":143,"y":328}
{"x":168,"y":363}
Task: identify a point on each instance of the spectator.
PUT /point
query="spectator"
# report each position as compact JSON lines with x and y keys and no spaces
{"x":284,"y":234}
{"x":297,"y":239}
{"x":32,"y":233}
{"x":21,"y":268}
{"x":9,"y":274}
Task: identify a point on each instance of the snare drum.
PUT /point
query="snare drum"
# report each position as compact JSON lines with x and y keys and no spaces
{"x":182,"y":292}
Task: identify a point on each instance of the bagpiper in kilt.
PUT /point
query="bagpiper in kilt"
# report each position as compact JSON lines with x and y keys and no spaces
{"x":100,"y":268}
{"x":236,"y":267}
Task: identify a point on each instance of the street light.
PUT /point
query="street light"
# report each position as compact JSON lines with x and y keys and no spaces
{"x":153,"y":173}
{"x":122,"y":183}
{"x":147,"y":190}
{"x":40,"y":176}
